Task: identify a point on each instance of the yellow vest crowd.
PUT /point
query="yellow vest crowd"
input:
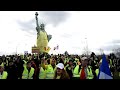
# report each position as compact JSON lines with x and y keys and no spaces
{"x":61,"y":66}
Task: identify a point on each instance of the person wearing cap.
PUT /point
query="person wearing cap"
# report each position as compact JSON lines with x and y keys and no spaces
{"x":28,"y":71}
{"x":50,"y":69}
{"x":60,"y":72}
{"x":83,"y":71}
{"x":3,"y":74}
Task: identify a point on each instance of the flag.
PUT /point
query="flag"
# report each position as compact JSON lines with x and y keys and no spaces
{"x":104,"y":72}
{"x":57,"y":47}
{"x":54,"y":48}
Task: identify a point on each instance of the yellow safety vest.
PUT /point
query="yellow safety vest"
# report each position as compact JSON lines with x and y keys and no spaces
{"x":2,"y":64}
{"x":50,"y":72}
{"x":27,"y":75}
{"x":97,"y":72}
{"x":77,"y":74}
{"x":4,"y":75}
{"x":42,"y":74}
{"x":25,"y":62}
{"x":76,"y":59}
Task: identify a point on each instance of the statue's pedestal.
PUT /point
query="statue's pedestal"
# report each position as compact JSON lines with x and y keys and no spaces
{"x":35,"y":50}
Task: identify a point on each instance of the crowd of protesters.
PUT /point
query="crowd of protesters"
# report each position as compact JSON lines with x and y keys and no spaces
{"x":61,"y":66}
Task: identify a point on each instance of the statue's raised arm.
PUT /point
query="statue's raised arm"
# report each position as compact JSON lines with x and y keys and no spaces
{"x":36,"y":17}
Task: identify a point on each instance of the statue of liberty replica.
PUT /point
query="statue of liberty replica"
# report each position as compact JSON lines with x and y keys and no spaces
{"x":42,"y":37}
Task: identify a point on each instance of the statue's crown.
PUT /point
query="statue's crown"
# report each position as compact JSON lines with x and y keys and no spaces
{"x":42,"y":24}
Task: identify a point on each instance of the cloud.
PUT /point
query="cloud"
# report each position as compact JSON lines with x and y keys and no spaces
{"x":54,"y":17}
{"x":48,"y":17}
{"x":110,"y":47}
{"x":115,"y":42}
{"x":76,"y":47}
{"x":28,"y":26}
{"x":65,"y":35}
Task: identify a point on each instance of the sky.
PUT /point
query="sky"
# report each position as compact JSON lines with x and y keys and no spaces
{"x":73,"y":31}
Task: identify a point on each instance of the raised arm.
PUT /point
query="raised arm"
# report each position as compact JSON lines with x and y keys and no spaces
{"x":37,"y":28}
{"x":36,"y":14}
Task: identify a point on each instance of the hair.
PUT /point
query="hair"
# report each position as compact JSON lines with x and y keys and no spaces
{"x":48,"y":61}
{"x":64,"y":74}
{"x":52,"y":59}
{"x":60,"y":60}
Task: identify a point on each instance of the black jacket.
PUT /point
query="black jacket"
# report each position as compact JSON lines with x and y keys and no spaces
{"x":69,"y":71}
{"x":12,"y":72}
{"x":20,"y":68}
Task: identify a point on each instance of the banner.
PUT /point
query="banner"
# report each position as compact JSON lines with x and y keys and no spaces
{"x":35,"y":50}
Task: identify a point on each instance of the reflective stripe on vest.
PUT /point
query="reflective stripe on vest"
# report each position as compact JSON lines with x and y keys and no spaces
{"x":4,"y":75}
{"x":26,"y":75}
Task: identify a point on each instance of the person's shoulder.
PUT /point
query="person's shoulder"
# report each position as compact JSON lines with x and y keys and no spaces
{"x":67,"y":67}
{"x":49,"y":65}
{"x":5,"y":72}
{"x":32,"y":68}
{"x":66,"y":75}
{"x":77,"y":66}
{"x":90,"y":67}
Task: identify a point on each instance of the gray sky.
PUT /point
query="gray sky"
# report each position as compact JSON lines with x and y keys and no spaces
{"x":68,"y":29}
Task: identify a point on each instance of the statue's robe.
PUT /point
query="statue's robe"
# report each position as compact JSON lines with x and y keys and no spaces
{"x":42,"y":41}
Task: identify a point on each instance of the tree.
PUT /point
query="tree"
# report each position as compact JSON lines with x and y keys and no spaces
{"x":66,"y":53}
{"x":116,"y":52}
